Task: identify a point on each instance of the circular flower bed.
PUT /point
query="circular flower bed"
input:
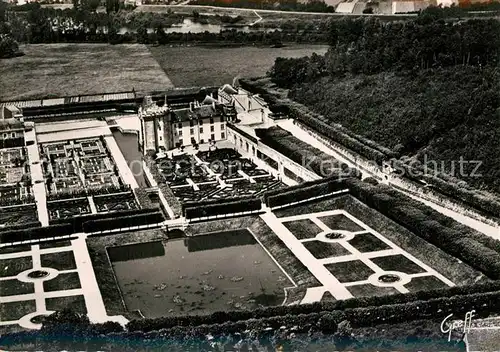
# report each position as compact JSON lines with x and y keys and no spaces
{"x":38,"y":274}
{"x":334,"y":236}
{"x":388,"y":278}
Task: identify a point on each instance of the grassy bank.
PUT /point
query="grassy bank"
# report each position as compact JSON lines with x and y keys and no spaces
{"x":207,"y":66}
{"x":75,"y":69}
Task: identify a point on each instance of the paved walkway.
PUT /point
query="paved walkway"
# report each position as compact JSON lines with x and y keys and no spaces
{"x":319,"y":271}
{"x":487,"y":229}
{"x":39,"y":191}
{"x":120,"y":162}
{"x":324,"y":276}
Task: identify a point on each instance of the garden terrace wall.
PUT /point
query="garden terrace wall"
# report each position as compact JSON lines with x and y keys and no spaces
{"x":362,"y":311}
{"x":78,"y":221}
{"x":429,"y":225}
{"x":171,"y":199}
{"x":123,"y":222}
{"x":222,"y":208}
{"x":487,"y":206}
{"x":321,"y":181}
{"x":305,"y":193}
{"x":36,"y":233}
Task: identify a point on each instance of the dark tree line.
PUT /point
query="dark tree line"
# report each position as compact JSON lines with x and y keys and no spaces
{"x":371,"y":46}
{"x":283,"y":5}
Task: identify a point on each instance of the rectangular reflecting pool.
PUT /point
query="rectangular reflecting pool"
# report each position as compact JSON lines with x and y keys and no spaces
{"x":198,"y":275}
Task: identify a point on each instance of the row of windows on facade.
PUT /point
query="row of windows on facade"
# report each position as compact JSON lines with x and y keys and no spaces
{"x":212,"y":137}
{"x":200,"y":122}
{"x":191,"y":131}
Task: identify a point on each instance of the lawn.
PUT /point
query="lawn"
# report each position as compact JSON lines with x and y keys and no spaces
{"x":67,"y":281}
{"x":59,"y":261}
{"x":14,"y":266}
{"x":354,"y":270}
{"x":76,"y":69}
{"x":303,"y":229}
{"x":368,"y":290}
{"x":340,"y":222}
{"x":75,"y":303}
{"x":16,"y":310}
{"x":425,"y":283}
{"x":367,"y":242}
{"x":398,"y":263}
{"x":322,"y":250}
{"x":14,"y":287}
{"x":213,"y":66}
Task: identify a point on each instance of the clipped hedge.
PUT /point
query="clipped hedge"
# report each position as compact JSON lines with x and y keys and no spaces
{"x":26,"y":225}
{"x":276,"y":192}
{"x":36,"y":233}
{"x":488,"y":205}
{"x":78,"y":221}
{"x":429,"y":225}
{"x":362,"y":311}
{"x":123,"y":222}
{"x":220,"y":207}
{"x":304,"y":193}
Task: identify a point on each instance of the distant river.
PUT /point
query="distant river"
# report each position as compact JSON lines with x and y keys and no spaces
{"x":188,"y":26}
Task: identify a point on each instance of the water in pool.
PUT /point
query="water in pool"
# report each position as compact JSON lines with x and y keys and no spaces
{"x":129,"y":146}
{"x":198,"y":275}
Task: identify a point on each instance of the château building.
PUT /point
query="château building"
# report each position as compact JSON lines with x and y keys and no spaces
{"x":165,"y":127}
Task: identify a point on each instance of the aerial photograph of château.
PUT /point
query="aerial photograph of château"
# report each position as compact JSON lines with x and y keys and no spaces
{"x":237,"y":175}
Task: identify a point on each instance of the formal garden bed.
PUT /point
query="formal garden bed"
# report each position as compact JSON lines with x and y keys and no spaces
{"x":14,"y":266}
{"x":59,"y":261}
{"x":63,"y":281}
{"x":340,"y":222}
{"x":303,"y":229}
{"x":424,"y":283}
{"x":369,"y":290}
{"x":115,"y":202}
{"x":18,"y":215}
{"x":322,"y":250}
{"x":55,"y":244}
{"x":350,"y":271}
{"x":367,"y":242}
{"x":68,"y":208}
{"x":74,"y":303}
{"x":398,"y":263}
{"x":15,"y":310}
{"x":14,"y":287}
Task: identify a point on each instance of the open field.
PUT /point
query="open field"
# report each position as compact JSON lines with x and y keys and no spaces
{"x":76,"y":69}
{"x":208,"y":66}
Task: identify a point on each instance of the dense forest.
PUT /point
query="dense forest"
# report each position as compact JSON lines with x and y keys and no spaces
{"x":429,"y":89}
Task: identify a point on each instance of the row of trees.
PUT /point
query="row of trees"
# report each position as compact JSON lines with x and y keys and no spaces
{"x":371,"y":46}
{"x":34,"y":24}
{"x":282,"y":5}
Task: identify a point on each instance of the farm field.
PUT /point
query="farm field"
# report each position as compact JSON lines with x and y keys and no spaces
{"x":77,"y":69}
{"x":213,"y":66}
